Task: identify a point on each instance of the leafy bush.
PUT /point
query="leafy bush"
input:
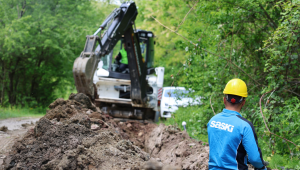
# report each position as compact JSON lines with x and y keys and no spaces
{"x":215,"y":41}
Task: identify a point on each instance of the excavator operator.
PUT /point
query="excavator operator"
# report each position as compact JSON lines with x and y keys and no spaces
{"x":122,"y":58}
{"x":231,"y":137}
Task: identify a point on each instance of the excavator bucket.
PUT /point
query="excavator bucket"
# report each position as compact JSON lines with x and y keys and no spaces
{"x":85,"y":66}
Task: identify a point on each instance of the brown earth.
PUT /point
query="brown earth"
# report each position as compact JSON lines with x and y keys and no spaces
{"x":74,"y":134}
{"x":174,"y":147}
{"x":13,"y":129}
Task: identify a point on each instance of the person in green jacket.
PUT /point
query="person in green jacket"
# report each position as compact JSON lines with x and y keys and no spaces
{"x":122,"y":57}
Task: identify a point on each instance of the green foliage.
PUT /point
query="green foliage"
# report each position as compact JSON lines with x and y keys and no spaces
{"x":283,"y":121}
{"x":283,"y":48}
{"x":256,"y":41}
{"x":168,"y":48}
{"x":279,"y":161}
{"x":39,"y":43}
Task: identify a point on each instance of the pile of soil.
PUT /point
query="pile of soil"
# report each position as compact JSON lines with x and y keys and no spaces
{"x":62,"y":109}
{"x":74,"y":134}
{"x":174,"y":147}
{"x":52,"y":145}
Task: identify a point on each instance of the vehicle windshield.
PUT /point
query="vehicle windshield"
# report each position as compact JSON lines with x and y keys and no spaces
{"x":143,"y":45}
{"x":176,"y":93}
{"x":107,"y":59}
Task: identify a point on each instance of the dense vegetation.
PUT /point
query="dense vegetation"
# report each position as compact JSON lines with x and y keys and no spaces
{"x":202,"y":45}
{"x":39,"y":43}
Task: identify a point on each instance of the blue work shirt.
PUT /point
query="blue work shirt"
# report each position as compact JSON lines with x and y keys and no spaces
{"x":231,"y":137}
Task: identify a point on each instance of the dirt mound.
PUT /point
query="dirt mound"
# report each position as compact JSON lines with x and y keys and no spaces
{"x":175,"y":147}
{"x":74,"y":134}
{"x":65,"y":109}
{"x":46,"y":142}
{"x":56,"y":146}
{"x":4,"y":129}
{"x":84,"y":100}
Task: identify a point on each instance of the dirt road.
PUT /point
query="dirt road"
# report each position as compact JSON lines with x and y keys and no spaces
{"x":17,"y":127}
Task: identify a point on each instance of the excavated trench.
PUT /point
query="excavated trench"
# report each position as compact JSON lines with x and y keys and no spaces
{"x":74,"y":134}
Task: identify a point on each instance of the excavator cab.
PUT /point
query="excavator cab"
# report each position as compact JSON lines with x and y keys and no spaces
{"x":112,"y":65}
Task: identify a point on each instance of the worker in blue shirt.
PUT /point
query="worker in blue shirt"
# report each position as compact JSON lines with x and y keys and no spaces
{"x":232,"y":138}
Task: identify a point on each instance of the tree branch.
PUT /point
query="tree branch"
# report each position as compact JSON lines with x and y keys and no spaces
{"x":191,"y":7}
{"x":23,"y":9}
{"x":234,"y":65}
{"x":268,"y":16}
{"x":185,"y":17}
{"x":266,"y":123}
{"x":292,"y":92}
{"x":173,"y":31}
{"x":211,"y":104}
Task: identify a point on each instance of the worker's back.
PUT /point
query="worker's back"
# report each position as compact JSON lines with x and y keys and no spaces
{"x":230,"y":135}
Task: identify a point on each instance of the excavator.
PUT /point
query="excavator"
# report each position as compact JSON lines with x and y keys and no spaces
{"x":133,"y":93}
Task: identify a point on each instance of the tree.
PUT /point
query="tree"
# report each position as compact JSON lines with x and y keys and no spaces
{"x":207,"y":43}
{"x":39,"y":43}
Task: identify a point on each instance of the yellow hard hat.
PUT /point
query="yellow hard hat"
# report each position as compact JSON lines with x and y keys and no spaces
{"x":236,"y":87}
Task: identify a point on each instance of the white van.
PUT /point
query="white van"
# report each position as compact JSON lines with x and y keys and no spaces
{"x":174,"y":97}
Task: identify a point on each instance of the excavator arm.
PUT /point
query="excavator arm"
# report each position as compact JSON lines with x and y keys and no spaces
{"x":137,"y":68}
{"x":119,"y":22}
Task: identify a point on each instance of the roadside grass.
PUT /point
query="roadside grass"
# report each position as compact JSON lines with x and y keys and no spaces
{"x":31,"y":109}
{"x":196,"y":118}
{"x":13,"y":112}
